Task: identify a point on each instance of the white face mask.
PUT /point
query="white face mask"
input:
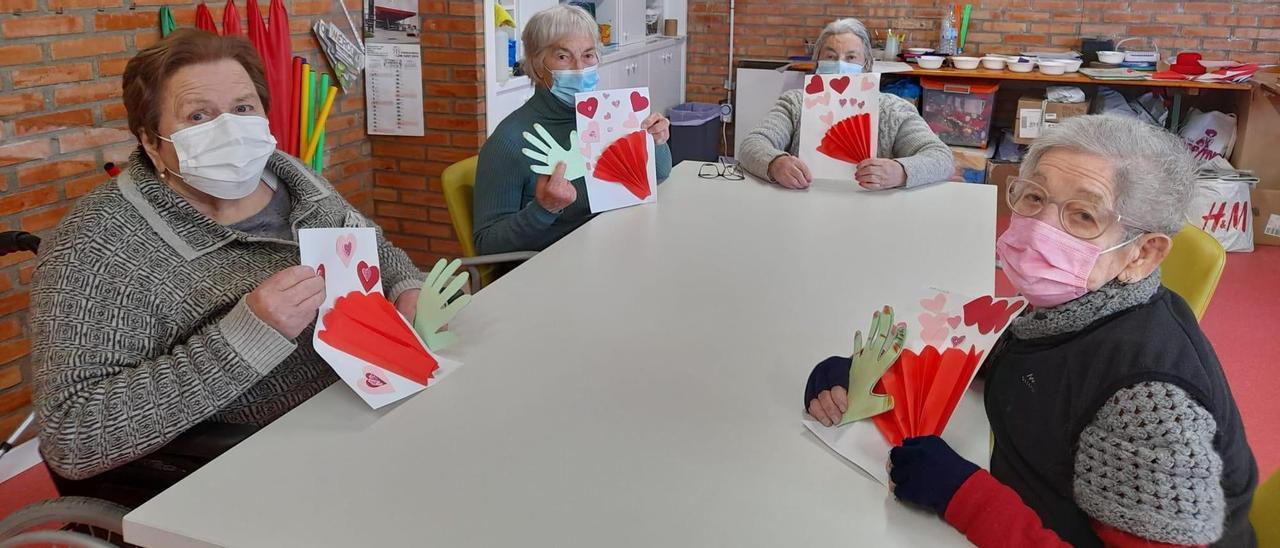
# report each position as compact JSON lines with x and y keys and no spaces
{"x":224,"y":158}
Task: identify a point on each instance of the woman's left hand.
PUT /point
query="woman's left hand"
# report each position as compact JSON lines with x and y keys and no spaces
{"x":926,"y":471}
{"x":880,"y":174}
{"x":658,"y":126}
{"x":407,"y":304}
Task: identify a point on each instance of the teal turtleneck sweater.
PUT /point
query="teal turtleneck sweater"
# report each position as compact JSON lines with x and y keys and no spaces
{"x":507,"y":217}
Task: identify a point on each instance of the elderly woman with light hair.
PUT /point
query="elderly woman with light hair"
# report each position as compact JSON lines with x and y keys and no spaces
{"x":910,"y":154}
{"x":516,"y":209}
{"x":1113,"y":422}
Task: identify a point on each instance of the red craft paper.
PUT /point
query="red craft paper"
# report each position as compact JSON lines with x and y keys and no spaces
{"x":204,"y":19}
{"x":368,"y":327}
{"x":626,"y":162}
{"x":926,"y":388}
{"x":231,"y":20}
{"x":294,"y":97}
{"x":279,"y":51}
{"x":848,"y":140}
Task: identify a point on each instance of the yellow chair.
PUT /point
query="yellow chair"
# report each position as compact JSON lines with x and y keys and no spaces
{"x":1193,"y":267}
{"x":459,"y":183}
{"x":1265,"y":514}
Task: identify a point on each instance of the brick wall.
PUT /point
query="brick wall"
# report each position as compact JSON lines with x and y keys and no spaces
{"x":61,"y":118}
{"x":1244,"y":30}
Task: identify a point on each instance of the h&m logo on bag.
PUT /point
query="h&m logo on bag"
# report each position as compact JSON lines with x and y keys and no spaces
{"x":1216,"y":219}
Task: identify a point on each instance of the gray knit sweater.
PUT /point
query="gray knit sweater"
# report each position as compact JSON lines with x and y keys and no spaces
{"x":141,"y":330}
{"x":904,"y":136}
{"x":1146,"y":464}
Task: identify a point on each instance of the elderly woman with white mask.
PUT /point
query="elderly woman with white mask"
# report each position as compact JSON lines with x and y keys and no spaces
{"x":516,"y":209}
{"x":170,"y":315}
{"x":909,"y":153}
{"x":1113,"y":422}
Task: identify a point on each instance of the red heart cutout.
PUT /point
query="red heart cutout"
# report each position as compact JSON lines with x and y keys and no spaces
{"x":638,"y":102}
{"x":588,"y":108}
{"x":840,"y":84}
{"x":368,"y":275}
{"x":989,"y":314}
{"x":320,"y":271}
{"x":815,"y":86}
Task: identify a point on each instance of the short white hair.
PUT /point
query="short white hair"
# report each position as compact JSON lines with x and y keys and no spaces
{"x":848,"y":25}
{"x":550,"y":26}
{"x":1153,"y":173}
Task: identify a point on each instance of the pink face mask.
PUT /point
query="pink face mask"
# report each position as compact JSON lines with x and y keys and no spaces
{"x":1048,"y":266}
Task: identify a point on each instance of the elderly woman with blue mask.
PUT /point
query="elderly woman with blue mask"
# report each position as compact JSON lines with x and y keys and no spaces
{"x":1113,"y":422}
{"x":515,"y":208}
{"x":910,"y":154}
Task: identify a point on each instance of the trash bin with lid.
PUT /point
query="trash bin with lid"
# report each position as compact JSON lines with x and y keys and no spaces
{"x":695,"y":132}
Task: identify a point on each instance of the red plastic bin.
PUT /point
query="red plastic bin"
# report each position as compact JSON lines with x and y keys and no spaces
{"x":959,"y":112}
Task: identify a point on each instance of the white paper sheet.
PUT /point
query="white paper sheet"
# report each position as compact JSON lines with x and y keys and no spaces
{"x":348,"y":258}
{"x":603,"y":117}
{"x":828,"y":99}
{"x":393,"y":89}
{"x":889,"y":67}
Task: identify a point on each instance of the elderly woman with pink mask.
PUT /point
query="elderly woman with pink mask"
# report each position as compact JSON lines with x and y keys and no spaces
{"x":1113,"y":422}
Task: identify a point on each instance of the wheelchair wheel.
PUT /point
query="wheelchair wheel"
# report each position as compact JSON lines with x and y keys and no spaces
{"x":44,"y":539}
{"x":94,"y":518}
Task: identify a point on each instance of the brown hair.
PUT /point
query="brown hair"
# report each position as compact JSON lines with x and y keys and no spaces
{"x":147,"y":74}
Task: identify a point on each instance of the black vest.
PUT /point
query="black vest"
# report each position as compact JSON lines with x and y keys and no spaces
{"x":1041,"y":393}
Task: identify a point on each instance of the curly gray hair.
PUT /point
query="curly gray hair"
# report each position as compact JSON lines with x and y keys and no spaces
{"x":1154,"y":175}
{"x":848,"y":25}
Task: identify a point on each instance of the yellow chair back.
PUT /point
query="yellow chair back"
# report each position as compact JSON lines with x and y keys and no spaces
{"x":459,"y":182}
{"x":1265,"y":514}
{"x":1193,"y":267}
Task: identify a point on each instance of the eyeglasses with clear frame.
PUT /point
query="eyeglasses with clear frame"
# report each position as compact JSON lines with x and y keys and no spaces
{"x":721,"y":171}
{"x":1080,"y":218}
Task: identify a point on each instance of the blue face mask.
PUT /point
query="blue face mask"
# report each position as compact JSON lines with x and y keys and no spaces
{"x":566,"y":83}
{"x":838,"y":67}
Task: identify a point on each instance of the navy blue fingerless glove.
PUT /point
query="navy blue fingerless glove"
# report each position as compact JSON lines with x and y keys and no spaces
{"x":828,"y":374}
{"x":926,"y":471}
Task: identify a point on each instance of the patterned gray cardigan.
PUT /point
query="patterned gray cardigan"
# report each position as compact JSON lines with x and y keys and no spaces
{"x":141,"y":329}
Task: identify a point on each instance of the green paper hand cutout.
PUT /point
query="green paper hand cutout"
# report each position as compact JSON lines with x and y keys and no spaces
{"x":434,"y":306}
{"x":884,"y":345}
{"x":552,"y":154}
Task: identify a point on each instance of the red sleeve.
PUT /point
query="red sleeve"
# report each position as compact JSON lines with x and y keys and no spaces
{"x":992,"y":515}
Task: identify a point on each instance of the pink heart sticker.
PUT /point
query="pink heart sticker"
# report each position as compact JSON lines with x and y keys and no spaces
{"x":933,"y":329}
{"x":954,"y":321}
{"x":632,"y":122}
{"x":867,"y":84}
{"x":608,"y":115}
{"x":616,"y":103}
{"x":957,"y":341}
{"x":346,"y":247}
{"x":592,"y":133}
{"x":826,"y":117}
{"x":935,"y":304}
{"x":368,"y":275}
{"x":843,"y":101}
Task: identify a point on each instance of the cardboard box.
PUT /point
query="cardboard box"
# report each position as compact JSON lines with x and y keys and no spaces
{"x":1266,"y":216}
{"x":1258,"y":129}
{"x":998,"y":174}
{"x":1035,"y":115}
{"x":971,"y":163}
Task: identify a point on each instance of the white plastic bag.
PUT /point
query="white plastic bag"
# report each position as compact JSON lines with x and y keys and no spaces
{"x":1209,"y":134}
{"x":1220,"y":206}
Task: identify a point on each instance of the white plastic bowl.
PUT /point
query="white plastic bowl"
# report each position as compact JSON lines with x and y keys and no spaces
{"x":1021,"y":66}
{"x":1111,"y":57}
{"x":1052,"y":68}
{"x":1071,"y":65}
{"x":965,"y":63}
{"x":929,"y":61}
{"x":993,"y":63}
{"x":920,"y":51}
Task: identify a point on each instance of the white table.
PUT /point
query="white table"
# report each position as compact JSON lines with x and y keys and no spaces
{"x":637,"y":384}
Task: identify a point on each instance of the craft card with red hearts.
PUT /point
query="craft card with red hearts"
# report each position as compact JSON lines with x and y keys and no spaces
{"x":619,"y":154}
{"x":358,"y":331}
{"x":948,"y":337}
{"x":839,"y":123}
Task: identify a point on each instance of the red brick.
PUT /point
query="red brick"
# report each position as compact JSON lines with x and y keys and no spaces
{"x":1205,"y":7}
{"x":1102,"y":30}
{"x":383,"y":194}
{"x":25,"y":151}
{"x":1232,"y":20}
{"x":91,"y":138}
{"x":448,"y":247}
{"x":6,"y":283}
{"x":44,"y":220}
{"x":49,"y":25}
{"x":45,"y":123}
{"x":1125,"y":17}
{"x":47,"y":75}
{"x":998,"y":26}
{"x":76,"y":188}
{"x":427,"y":229}
{"x":1151,"y":30}
{"x":86,"y":93}
{"x":25,"y":273}
{"x":13,"y":400}
{"x":1179,"y":18}
{"x":87,"y":47}
{"x":14,"y":302}
{"x":146,"y":39}
{"x":56,"y":169}
{"x":10,"y":376}
{"x":16,"y":103}
{"x":127,"y":20}
{"x":385,"y":148}
{"x":9,"y":329}
{"x":112,"y":67}
{"x":21,"y":54}
{"x":16,"y":6}
{"x":83,"y":4}
{"x":1026,"y":39}
{"x":1270,"y":8}
{"x":1213,"y":32}
{"x":113,"y":111}
{"x":1231,"y":45}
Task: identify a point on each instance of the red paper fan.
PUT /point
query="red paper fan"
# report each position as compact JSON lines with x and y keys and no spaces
{"x":626,"y":162}
{"x":204,"y":19}
{"x":368,"y":327}
{"x":926,"y":388}
{"x":848,"y":140}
